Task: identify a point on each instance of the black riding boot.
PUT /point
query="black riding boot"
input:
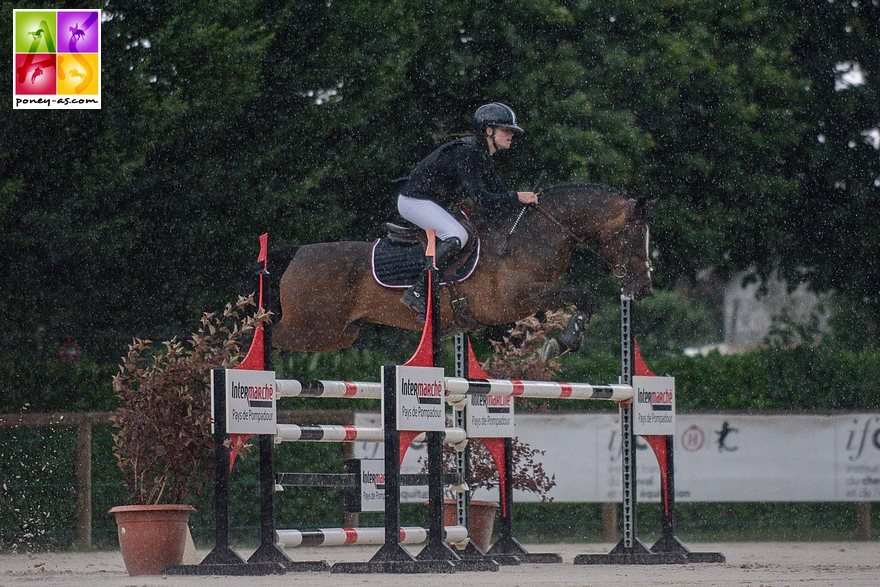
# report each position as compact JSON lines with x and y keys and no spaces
{"x":416,"y":297}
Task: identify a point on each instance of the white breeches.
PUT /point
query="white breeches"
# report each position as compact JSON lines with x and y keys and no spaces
{"x":427,"y":214}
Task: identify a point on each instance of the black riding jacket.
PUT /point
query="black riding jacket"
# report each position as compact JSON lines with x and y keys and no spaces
{"x":456,"y":171}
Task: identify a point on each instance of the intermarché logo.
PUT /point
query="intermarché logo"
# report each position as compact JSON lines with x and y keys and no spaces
{"x":56,"y":59}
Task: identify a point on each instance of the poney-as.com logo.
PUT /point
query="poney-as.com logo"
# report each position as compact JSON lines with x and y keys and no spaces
{"x":56,"y":59}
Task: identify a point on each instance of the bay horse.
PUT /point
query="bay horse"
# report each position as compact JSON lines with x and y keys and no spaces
{"x":325,"y":291}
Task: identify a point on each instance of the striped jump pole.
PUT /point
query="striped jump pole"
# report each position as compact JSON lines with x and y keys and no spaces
{"x":392,"y":557}
{"x":363,"y":536}
{"x":630,"y":549}
{"x":507,"y":550}
{"x":462,"y":458}
{"x":268,"y":551}
{"x":344,"y":433}
{"x":458,"y":387}
{"x":663,"y":447}
{"x":436,"y":556}
{"x":471,"y":380}
{"x":329,"y":389}
{"x":268,"y":558}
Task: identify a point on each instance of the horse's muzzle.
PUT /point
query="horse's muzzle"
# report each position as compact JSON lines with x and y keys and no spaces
{"x":639,"y":288}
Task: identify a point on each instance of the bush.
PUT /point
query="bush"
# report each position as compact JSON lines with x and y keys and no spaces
{"x":54,"y":385}
{"x":766,"y":378}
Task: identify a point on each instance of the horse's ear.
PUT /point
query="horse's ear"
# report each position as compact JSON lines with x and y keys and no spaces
{"x":642,"y":209}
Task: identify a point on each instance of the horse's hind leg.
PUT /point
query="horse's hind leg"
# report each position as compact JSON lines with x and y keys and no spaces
{"x":574,"y":333}
{"x":317,"y":296}
{"x":585,"y":306}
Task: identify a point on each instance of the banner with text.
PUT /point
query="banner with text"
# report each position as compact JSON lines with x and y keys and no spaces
{"x":724,"y":457}
{"x":490,"y":416}
{"x":654,"y":405}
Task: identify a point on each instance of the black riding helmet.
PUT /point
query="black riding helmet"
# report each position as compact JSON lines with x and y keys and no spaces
{"x":495,"y":114}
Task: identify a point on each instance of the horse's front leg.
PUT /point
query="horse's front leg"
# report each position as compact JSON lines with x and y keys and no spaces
{"x":559,"y":295}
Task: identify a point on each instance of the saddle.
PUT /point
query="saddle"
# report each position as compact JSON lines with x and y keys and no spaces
{"x":399,"y":258}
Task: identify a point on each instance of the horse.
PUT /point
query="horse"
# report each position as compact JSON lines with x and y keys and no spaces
{"x":76,"y":33}
{"x":325,"y":291}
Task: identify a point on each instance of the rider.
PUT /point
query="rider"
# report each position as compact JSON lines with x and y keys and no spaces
{"x":457,"y":170}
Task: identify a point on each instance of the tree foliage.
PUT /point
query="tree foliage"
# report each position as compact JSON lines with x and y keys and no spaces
{"x":224,"y":120}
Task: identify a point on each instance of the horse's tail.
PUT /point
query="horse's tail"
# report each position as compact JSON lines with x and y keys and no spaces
{"x":277,"y":261}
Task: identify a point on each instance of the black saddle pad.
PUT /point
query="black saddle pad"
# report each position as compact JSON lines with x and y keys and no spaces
{"x":400,"y":265}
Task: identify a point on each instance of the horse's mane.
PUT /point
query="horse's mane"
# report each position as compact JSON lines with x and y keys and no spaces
{"x":591,"y":193}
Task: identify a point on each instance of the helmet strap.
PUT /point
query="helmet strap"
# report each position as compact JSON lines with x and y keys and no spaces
{"x":492,"y":137}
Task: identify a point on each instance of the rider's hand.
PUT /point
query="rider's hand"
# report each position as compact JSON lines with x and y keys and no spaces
{"x":527,"y":197}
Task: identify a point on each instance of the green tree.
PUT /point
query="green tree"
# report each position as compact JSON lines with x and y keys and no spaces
{"x":224,"y":120}
{"x":133,"y":219}
{"x":836,"y":216}
{"x":715,"y":86}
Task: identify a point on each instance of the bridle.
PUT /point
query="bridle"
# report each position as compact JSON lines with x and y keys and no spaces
{"x":619,"y":269}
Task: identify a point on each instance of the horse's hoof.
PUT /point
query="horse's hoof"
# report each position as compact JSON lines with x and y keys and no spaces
{"x":549,"y":350}
{"x":574,"y":334}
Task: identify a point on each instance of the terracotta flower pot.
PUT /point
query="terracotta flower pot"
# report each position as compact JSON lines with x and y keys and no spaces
{"x":481,"y":516}
{"x":151,"y":537}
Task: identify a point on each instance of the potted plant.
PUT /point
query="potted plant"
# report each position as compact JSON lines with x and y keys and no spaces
{"x":163,"y":441}
{"x":528,"y":475}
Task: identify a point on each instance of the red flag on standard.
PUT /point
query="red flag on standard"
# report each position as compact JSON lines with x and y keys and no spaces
{"x":264,"y":247}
